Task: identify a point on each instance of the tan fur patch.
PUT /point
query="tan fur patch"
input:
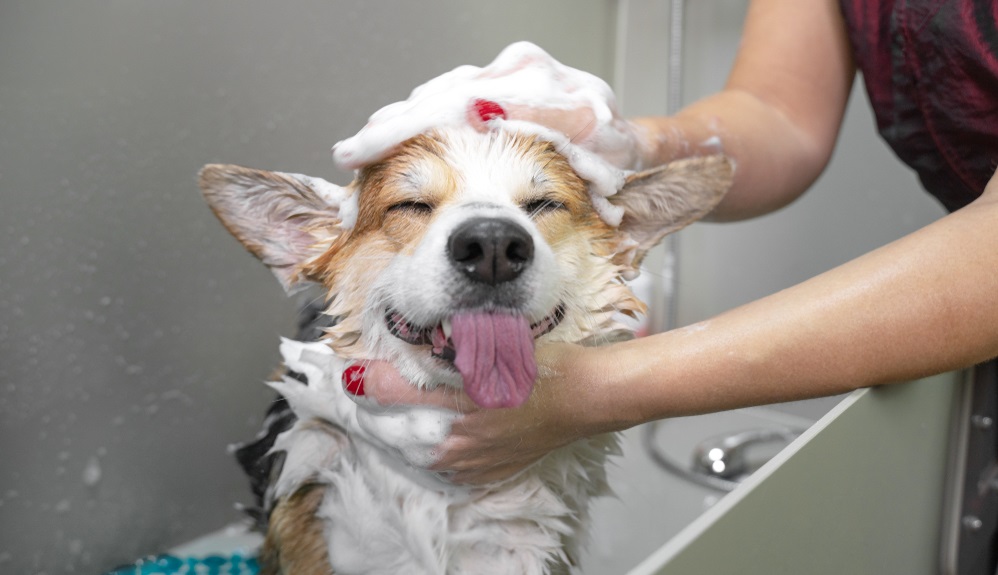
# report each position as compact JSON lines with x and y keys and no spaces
{"x":295,"y":543}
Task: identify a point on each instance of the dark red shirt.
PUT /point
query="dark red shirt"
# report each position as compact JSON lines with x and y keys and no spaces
{"x":931,"y":72}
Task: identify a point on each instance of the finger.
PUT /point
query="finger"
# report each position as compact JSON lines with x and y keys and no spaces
{"x":576,"y":123}
{"x":386,"y":386}
{"x":485,"y":477}
{"x":481,"y":112}
{"x":456,"y":459}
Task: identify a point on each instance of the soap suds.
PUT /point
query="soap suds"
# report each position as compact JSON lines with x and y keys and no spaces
{"x":411,"y":432}
{"x":522,"y":75}
{"x":343,"y":199}
{"x":713,"y":144}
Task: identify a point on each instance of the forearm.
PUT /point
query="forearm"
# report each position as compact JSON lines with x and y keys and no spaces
{"x":779,"y":113}
{"x":925,"y":304}
{"x":775,"y":160}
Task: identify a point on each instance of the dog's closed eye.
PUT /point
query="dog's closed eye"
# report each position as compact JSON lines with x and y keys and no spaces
{"x":412,"y":207}
{"x":542,"y":206}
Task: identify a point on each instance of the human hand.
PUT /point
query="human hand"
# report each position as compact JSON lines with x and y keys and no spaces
{"x":523,"y":89}
{"x":488,"y":445}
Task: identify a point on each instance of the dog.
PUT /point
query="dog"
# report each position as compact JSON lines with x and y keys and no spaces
{"x":452,"y":258}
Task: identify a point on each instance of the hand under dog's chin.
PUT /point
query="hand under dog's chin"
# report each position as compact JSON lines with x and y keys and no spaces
{"x":427,"y":372}
{"x":417,"y":364}
{"x":488,"y":353}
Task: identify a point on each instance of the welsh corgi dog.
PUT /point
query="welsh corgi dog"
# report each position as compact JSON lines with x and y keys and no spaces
{"x":454,"y":258}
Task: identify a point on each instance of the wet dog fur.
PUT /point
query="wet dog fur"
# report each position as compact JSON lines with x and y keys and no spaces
{"x":379,"y":245}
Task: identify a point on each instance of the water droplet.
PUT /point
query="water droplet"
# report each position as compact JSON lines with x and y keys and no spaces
{"x":92,"y":472}
{"x":63,"y":506}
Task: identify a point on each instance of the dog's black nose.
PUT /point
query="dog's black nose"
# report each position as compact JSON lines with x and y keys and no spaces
{"x":490,"y":250}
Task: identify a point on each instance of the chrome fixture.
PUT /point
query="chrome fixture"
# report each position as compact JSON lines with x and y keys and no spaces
{"x":723,"y":461}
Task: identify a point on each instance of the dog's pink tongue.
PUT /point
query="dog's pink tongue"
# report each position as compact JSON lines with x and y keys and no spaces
{"x":495,"y":355}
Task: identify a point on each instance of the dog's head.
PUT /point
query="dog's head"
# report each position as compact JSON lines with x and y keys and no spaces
{"x":459,"y":251}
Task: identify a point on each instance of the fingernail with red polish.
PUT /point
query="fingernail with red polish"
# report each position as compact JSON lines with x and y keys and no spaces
{"x":353,"y":379}
{"x":488,"y":110}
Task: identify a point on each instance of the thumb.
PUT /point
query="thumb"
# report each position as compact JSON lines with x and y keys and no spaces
{"x":384,"y":385}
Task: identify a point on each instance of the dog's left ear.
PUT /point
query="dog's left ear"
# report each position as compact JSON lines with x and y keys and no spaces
{"x":666,"y":199}
{"x":285,"y":220}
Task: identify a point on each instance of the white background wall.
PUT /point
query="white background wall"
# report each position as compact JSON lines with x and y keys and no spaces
{"x":135,"y":333}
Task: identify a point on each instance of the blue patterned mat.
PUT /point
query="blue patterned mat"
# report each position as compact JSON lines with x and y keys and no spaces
{"x":210,"y":565}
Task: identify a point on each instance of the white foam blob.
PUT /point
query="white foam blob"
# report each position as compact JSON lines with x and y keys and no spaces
{"x":522,"y":75}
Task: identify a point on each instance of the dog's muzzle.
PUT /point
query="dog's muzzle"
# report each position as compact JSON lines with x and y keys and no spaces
{"x":486,"y":338}
{"x":492,"y":350}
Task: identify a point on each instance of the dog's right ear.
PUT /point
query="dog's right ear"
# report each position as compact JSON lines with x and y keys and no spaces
{"x":663,"y":200}
{"x":285,"y":220}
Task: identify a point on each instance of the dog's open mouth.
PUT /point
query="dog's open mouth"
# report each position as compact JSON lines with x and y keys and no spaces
{"x":493,"y":350}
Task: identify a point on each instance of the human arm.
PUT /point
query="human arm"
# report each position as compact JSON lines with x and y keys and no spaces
{"x":779,"y":113}
{"x":924,"y":304}
{"x":921,"y":305}
{"x":777,"y":117}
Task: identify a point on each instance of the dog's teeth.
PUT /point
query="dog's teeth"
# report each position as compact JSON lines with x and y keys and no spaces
{"x":445,"y":324}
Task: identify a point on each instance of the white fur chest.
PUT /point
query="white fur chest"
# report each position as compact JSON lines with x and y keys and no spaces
{"x":382,"y":516}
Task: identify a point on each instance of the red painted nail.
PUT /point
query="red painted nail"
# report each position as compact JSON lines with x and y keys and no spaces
{"x":488,"y":110}
{"x":353,"y":379}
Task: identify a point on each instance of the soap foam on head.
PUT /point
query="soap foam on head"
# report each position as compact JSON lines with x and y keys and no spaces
{"x":524,"y":75}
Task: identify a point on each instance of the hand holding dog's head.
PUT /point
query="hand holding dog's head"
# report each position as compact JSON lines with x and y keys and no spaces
{"x":523,"y":85}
